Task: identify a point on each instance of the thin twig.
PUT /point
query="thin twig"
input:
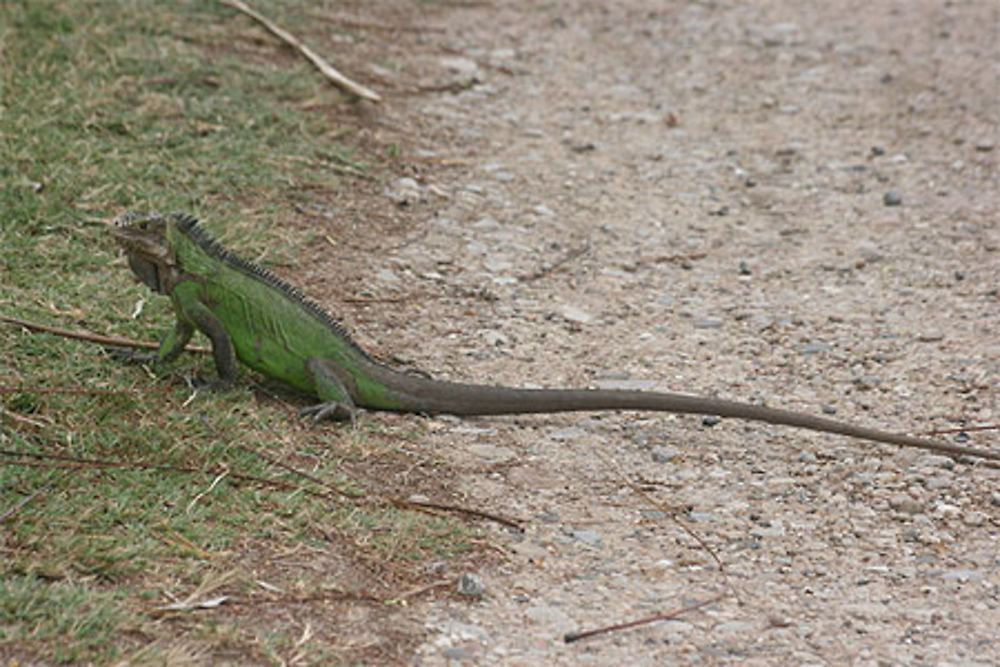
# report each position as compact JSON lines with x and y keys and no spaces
{"x":420,"y":590}
{"x":571,"y":637}
{"x":667,"y":512}
{"x":550,"y":268}
{"x":295,"y":471}
{"x":323,"y":66}
{"x":457,"y":509}
{"x":85,"y":392}
{"x":324,"y":164}
{"x":90,"y":337}
{"x":398,"y":502}
{"x":965,"y":429}
{"x":727,"y":586}
{"x":24,"y":502}
{"x":211,"y":487}
{"x":19,"y":419}
{"x":386,"y":299}
{"x":57,"y":461}
{"x":19,"y":506}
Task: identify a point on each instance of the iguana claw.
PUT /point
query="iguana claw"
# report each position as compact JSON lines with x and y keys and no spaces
{"x":335,"y":410}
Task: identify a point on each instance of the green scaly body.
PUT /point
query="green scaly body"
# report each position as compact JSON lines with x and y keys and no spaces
{"x":251,"y":315}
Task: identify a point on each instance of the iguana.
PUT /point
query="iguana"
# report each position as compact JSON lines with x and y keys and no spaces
{"x":250,"y":314}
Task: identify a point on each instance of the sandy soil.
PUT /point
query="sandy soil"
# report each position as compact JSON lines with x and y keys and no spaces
{"x":791,"y":203}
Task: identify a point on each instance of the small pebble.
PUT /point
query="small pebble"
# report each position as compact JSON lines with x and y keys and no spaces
{"x":576,"y":315}
{"x":963,"y":576}
{"x":404,"y":192}
{"x":734,"y":627}
{"x":457,"y":653}
{"x":663,"y":454}
{"x":587,"y":537}
{"x":814,"y":347}
{"x":774,"y":530}
{"x":583,"y":146}
{"x":974,"y":518}
{"x":471,"y":585}
{"x":495,"y":339}
{"x":936,"y":461}
{"x":892,"y":198}
{"x":777,"y":621}
{"x":568,"y":434}
{"x":947,"y":511}
{"x":938,"y":483}
{"x":906,"y":504}
{"x":458,"y":64}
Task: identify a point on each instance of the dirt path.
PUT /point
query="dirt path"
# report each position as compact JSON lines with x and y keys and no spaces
{"x":703,"y":197}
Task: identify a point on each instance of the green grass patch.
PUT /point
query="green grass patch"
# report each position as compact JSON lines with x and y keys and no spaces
{"x":59,"y":622}
{"x":119,"y":489}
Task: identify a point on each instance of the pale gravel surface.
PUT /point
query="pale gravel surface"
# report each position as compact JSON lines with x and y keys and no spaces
{"x":725,"y":166}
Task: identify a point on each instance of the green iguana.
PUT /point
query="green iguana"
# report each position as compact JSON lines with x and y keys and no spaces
{"x":251,"y":315}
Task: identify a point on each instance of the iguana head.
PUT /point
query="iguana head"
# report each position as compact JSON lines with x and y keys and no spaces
{"x":143,"y":237}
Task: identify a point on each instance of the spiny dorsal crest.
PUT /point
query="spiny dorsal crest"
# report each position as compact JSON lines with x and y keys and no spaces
{"x":191,"y":228}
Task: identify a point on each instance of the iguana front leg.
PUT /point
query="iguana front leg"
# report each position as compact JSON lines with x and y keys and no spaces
{"x":193,"y":314}
{"x":170,"y":347}
{"x":173,"y":343}
{"x":337,"y":402}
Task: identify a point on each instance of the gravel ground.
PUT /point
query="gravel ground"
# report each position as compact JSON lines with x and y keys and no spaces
{"x":785,"y":202}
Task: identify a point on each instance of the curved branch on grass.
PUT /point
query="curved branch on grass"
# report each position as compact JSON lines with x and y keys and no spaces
{"x":323,"y":66}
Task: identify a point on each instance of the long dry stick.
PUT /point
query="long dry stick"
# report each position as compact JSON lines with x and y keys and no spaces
{"x":57,"y":461}
{"x":326,"y":68}
{"x":398,"y":502}
{"x":91,"y":337}
{"x":666,"y":616}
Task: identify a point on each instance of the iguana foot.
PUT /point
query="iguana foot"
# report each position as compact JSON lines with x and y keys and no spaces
{"x":335,"y":410}
{"x":207,"y":384}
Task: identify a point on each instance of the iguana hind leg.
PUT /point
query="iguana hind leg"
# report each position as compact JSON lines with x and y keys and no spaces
{"x":337,"y":402}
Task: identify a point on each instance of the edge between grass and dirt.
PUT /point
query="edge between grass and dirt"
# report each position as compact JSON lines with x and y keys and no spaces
{"x":143,"y":520}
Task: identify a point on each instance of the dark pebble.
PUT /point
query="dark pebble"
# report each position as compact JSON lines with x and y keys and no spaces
{"x":892,"y":198}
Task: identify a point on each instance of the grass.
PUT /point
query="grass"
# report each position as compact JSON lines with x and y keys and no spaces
{"x":75,"y":621}
{"x":153,"y":494}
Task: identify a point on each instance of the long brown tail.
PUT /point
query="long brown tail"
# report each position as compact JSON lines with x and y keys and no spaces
{"x":416,"y":394}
